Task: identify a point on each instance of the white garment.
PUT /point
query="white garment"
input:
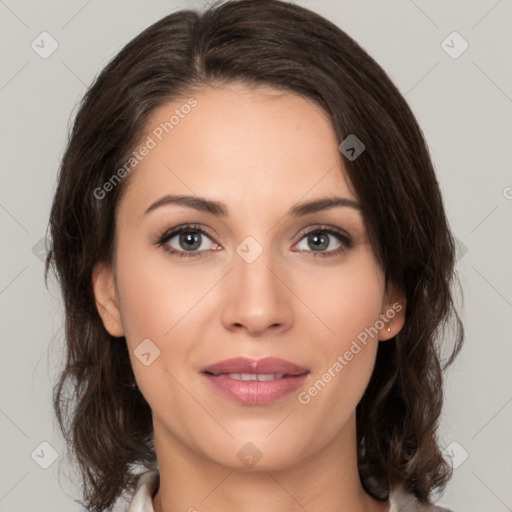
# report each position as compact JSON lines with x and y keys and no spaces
{"x":400,"y":501}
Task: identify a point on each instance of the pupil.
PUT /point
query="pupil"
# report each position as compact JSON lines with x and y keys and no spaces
{"x":319,"y":241}
{"x":190,"y":240}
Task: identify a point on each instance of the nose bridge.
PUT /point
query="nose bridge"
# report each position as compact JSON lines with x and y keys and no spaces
{"x":256,"y":297}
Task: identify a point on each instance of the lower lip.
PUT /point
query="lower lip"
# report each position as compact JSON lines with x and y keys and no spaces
{"x":254,"y":392}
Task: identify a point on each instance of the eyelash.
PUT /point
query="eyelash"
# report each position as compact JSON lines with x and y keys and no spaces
{"x":346,"y":242}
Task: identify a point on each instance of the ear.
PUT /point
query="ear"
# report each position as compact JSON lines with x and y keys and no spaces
{"x":103,"y":285}
{"x":392,"y":313}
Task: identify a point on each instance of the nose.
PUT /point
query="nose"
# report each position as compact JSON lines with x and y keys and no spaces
{"x":257,"y":298}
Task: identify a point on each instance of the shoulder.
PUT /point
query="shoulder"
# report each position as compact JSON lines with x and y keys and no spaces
{"x":142,"y":499}
{"x":402,"y":501}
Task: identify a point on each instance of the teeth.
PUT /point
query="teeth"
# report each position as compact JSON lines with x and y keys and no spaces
{"x":269,"y":376}
{"x":261,"y":377}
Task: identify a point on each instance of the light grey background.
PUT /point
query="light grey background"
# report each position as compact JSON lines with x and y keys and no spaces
{"x":464,"y":107}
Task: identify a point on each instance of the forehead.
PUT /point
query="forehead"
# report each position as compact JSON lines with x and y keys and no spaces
{"x":251,"y":147}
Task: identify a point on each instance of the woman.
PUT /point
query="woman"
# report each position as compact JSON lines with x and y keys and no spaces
{"x":256,"y":266}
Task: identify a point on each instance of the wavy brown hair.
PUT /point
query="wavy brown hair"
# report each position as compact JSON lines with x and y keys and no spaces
{"x":105,"y":420}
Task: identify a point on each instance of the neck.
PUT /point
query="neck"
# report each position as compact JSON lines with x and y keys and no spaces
{"x":328,"y":480}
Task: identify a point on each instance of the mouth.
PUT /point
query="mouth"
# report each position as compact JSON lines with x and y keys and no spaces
{"x":260,"y":377}
{"x":255,"y":382}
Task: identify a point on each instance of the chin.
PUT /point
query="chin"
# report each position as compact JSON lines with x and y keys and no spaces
{"x":258,"y":453}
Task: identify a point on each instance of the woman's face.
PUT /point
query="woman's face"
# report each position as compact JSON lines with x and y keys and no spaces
{"x":257,"y":275}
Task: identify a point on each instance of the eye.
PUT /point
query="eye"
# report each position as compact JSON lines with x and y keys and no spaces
{"x":325,"y":242}
{"x":187,"y":241}
{"x":193,"y":241}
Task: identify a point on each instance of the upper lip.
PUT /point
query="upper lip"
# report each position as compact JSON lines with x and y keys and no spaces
{"x":248,"y":365}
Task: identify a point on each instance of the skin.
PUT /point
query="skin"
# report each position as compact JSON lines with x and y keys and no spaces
{"x":260,"y":152}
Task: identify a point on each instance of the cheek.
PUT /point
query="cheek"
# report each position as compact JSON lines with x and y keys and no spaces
{"x":349,"y":304}
{"x":166,"y":304}
{"x":347,"y":301}
{"x":155,"y":305}
{"x":155,"y":296}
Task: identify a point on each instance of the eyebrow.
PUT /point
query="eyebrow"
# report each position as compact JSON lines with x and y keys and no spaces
{"x":220,"y":209}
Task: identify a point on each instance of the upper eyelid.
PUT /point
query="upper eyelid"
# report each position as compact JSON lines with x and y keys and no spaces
{"x":324,"y":227}
{"x":172,"y":232}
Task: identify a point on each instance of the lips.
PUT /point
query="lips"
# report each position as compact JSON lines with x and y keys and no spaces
{"x":255,"y":382}
{"x":255,"y":366}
